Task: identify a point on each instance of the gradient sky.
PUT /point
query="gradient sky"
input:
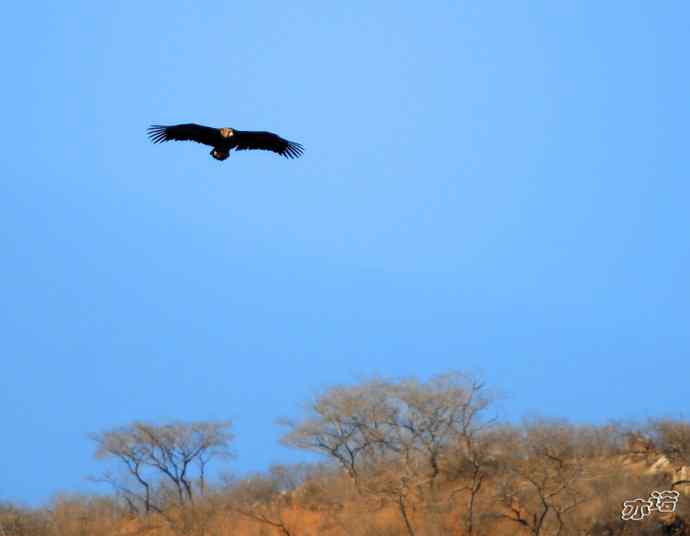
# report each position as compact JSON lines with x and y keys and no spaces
{"x":493,"y":186}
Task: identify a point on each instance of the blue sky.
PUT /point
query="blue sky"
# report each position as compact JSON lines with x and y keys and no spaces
{"x":494,"y":186}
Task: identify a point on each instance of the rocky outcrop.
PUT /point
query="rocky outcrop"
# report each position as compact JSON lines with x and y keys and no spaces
{"x":681,"y":479}
{"x":679,"y":475}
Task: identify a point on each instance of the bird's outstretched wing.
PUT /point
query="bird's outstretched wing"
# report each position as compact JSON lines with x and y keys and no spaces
{"x":267,"y":141}
{"x":189,"y":131}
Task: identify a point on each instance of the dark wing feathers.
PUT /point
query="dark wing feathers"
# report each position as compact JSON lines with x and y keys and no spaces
{"x":241,"y":139}
{"x":267,"y":141}
{"x":189,"y":131}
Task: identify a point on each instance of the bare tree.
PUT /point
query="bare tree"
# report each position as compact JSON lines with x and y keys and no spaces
{"x":394,"y":438}
{"x":432,"y":416}
{"x":263,"y":499}
{"x":160,"y":458}
{"x":672,"y":438}
{"x":542,"y":478}
{"x":476,"y":460}
{"x":347,"y":424}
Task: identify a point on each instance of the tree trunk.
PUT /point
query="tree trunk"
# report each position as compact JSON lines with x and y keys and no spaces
{"x":403,"y":514}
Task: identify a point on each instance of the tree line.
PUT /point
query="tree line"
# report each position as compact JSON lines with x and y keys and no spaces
{"x":404,"y":457}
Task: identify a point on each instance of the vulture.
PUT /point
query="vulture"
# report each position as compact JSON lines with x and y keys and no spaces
{"x":223,"y":140}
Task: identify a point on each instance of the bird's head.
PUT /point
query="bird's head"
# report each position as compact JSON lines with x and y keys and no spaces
{"x":227,"y":132}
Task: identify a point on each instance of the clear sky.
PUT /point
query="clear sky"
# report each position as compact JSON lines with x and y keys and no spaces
{"x":493,"y":186}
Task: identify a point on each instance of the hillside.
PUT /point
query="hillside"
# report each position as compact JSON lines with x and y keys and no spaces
{"x":404,"y":458}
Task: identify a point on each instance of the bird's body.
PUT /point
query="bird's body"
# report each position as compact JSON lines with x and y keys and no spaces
{"x":223,"y":140}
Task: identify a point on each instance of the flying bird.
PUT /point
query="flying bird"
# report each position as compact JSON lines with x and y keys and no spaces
{"x":223,"y":140}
